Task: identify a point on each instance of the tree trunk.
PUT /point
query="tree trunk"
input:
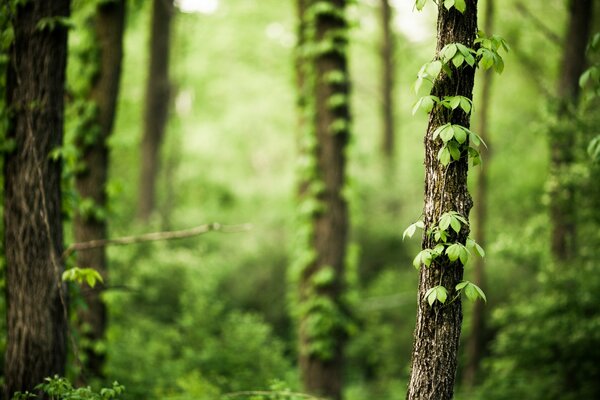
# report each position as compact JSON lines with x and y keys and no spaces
{"x":562,"y":143}
{"x":91,"y":182}
{"x":438,"y":328}
{"x":157,"y":105}
{"x":33,"y":236}
{"x":322,"y":320}
{"x":475,"y":345}
{"x":387,"y":80}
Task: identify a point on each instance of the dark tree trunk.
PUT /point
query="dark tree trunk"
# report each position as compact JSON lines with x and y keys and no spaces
{"x":327,"y":125}
{"x":387,"y":79}
{"x":475,"y":345}
{"x":91,"y":182}
{"x":438,"y":328}
{"x":157,"y":105}
{"x":562,"y":143}
{"x":33,"y":236}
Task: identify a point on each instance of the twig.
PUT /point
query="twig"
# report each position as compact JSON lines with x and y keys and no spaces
{"x":549,"y":33}
{"x":155,"y":236}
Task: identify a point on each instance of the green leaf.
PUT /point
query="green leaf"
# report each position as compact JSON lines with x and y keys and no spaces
{"x":471,"y":290}
{"x":448,"y":4}
{"x":459,"y":134}
{"x":447,"y":133}
{"x":455,"y":224}
{"x":454,"y":150}
{"x":464,"y":255}
{"x":460,"y":5}
{"x":465,"y":104}
{"x":454,"y":102}
{"x":433,"y":68}
{"x":410,"y":231}
{"x":431,"y":295}
{"x":445,"y":221}
{"x":424,"y":257}
{"x":457,"y":60}
{"x":441,"y":294}
{"x":444,"y":156}
{"x":439,"y":129}
{"x":448,"y":52}
{"x":420,"y":4}
{"x":453,"y":251}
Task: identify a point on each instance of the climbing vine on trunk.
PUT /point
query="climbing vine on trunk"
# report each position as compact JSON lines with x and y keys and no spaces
{"x":447,"y":85}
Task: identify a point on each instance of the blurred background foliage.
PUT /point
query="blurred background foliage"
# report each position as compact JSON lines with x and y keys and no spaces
{"x":205,"y":316}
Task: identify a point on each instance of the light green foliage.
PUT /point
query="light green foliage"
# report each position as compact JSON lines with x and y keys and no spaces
{"x":436,"y":293}
{"x":58,"y":388}
{"x":79,"y":275}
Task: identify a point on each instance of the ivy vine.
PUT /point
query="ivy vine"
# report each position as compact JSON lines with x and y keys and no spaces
{"x":323,"y":317}
{"x":457,"y":141}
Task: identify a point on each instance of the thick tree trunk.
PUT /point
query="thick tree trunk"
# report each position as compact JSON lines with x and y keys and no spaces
{"x":475,"y":345}
{"x":157,"y":105}
{"x":387,"y":79}
{"x":562,"y":144}
{"x":438,"y":328}
{"x":36,"y":297}
{"x":91,"y":182}
{"x":321,"y":369}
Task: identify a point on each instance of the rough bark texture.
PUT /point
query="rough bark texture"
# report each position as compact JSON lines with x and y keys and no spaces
{"x":475,"y":345}
{"x":36,"y":297}
{"x":438,"y":328}
{"x":157,"y":105}
{"x":320,"y":376}
{"x":91,"y":182}
{"x":562,"y":144}
{"x":387,"y":79}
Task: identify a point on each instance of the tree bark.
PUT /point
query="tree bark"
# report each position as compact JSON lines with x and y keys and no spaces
{"x":157,"y":105}
{"x":387,"y":80}
{"x":91,"y":181}
{"x":36,"y":297}
{"x":322,"y":374}
{"x":562,"y":143}
{"x":438,"y":328}
{"x":475,"y":345}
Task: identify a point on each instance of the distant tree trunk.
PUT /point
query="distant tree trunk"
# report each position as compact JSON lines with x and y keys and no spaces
{"x":157,"y":105}
{"x":438,"y":327}
{"x":562,"y":144}
{"x":387,"y":79}
{"x":91,"y":181}
{"x":321,"y":278}
{"x":33,"y":236}
{"x":475,"y":345}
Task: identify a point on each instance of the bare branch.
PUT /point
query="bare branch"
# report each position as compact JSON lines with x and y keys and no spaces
{"x":156,"y":236}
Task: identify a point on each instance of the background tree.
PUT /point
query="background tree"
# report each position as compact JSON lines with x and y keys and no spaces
{"x":321,"y":270}
{"x":475,"y":344}
{"x":33,"y":237}
{"x":90,"y":222}
{"x":563,"y":143}
{"x":387,"y":78}
{"x":156,"y":108}
{"x":438,"y":327}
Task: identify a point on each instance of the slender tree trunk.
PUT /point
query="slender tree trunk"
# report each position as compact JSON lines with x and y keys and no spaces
{"x":322,"y":331}
{"x":475,"y":345}
{"x":387,"y":80}
{"x":157,"y":105}
{"x":35,"y":295}
{"x":438,"y":328}
{"x":562,"y":143}
{"x":91,"y":182}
